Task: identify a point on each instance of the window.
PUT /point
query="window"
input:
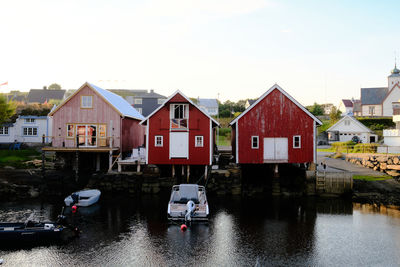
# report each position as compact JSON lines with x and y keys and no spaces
{"x":199,"y":141}
{"x":138,"y":101}
{"x":4,"y":130}
{"x":70,"y":131}
{"x":102,"y":130}
{"x":140,"y":110}
{"x":160,"y":101}
{"x":179,"y":116}
{"x":158,"y":141}
{"x":29,"y":120}
{"x":29,"y":131}
{"x":297,"y":141}
{"x":371,"y":110}
{"x":347,"y":122}
{"x":86,"y":101}
{"x":254,"y":142}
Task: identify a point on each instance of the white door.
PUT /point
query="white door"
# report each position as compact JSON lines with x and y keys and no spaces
{"x":281,"y":149}
{"x":269,"y":149}
{"x":178,"y":144}
{"x":276,"y":149}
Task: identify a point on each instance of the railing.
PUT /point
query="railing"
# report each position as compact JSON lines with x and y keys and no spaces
{"x":81,"y":141}
{"x":391,"y":132}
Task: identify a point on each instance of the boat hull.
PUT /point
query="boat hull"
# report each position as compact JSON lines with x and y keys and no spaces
{"x":86,"y":198}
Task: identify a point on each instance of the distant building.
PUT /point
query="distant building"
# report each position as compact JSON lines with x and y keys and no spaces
{"x":17,"y":96}
{"x":27,"y":130}
{"x":348,"y":127}
{"x":378,"y":101}
{"x":346,"y":107}
{"x":143,"y":101}
{"x":249,"y":102}
{"x":327,"y":108}
{"x":44,"y":95}
{"x":209,"y":105}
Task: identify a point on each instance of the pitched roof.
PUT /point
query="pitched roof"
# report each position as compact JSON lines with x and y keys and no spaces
{"x":116,"y":101}
{"x":347,"y":103}
{"x":275,"y":86}
{"x":41,"y":95}
{"x":373,"y":96}
{"x":208,"y":102}
{"x":137,"y":93}
{"x":190,"y":101}
{"x":341,"y":121}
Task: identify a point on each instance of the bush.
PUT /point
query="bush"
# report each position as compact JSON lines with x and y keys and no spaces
{"x":365,"y":148}
{"x":343,"y":146}
{"x":225,"y":132}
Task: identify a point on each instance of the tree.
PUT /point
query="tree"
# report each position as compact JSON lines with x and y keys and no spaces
{"x":316,"y":109}
{"x":54,"y":86}
{"x":7,"y":109}
{"x":335,"y":114}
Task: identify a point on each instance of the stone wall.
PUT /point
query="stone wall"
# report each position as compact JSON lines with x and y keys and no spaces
{"x":389,"y":164}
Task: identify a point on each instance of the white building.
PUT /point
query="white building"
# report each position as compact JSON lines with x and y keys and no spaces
{"x":378,"y":101}
{"x":348,"y":127}
{"x":210,"y":106}
{"x":27,"y":130}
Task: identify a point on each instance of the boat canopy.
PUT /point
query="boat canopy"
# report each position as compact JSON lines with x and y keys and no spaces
{"x":189,"y":192}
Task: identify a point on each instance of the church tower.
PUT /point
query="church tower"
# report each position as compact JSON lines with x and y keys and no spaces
{"x":394,"y":78}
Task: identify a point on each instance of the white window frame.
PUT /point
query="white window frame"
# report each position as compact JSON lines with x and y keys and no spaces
{"x":255,"y":137}
{"x":4,"y":130}
{"x":294,"y":141}
{"x":85,"y":103}
{"x":27,"y":131}
{"x":29,"y":120}
{"x":178,"y":121}
{"x":161,"y":139}
{"x":201,"y":139}
{"x":140,"y":110}
{"x":138,"y":101}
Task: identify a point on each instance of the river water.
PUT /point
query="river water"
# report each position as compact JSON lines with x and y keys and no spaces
{"x":240,"y":232}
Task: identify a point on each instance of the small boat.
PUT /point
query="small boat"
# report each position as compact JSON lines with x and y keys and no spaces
{"x":188,"y":202}
{"x":30,"y":231}
{"x":83,"y":198}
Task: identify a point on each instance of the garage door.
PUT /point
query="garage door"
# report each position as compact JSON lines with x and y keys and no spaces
{"x":179,"y":145}
{"x":275,"y":149}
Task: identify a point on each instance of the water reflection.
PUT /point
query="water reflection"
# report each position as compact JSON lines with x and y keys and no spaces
{"x":264,"y":231}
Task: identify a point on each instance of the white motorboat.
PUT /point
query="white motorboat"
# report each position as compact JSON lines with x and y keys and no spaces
{"x":188,"y":202}
{"x":83,"y":198}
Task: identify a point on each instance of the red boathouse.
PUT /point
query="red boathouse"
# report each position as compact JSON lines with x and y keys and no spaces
{"x":180,"y":133}
{"x":275,"y":129}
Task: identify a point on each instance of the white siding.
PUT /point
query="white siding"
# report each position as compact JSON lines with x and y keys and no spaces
{"x":394,"y":96}
{"x":366,"y":112}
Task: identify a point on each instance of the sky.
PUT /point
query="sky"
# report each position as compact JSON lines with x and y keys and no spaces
{"x":317,"y":51}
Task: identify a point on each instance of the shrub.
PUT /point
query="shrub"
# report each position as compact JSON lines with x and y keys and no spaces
{"x":365,"y":148}
{"x":343,"y":146}
{"x":225,"y":132}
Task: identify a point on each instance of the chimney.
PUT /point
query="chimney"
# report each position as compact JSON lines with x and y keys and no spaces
{"x":45,"y":87}
{"x":151,"y":90}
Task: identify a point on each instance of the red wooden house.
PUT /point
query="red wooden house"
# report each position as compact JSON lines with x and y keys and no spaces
{"x":275,"y":129}
{"x":96,"y":120}
{"x":180,"y":133}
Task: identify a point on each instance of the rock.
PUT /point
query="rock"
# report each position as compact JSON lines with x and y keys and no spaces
{"x":396,"y":160}
{"x":9,"y":168}
{"x":393,"y":173}
{"x":393,"y":167}
{"x":33,"y":192}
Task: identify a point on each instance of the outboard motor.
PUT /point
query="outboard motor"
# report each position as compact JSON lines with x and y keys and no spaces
{"x":190,"y":208}
{"x":75,"y":198}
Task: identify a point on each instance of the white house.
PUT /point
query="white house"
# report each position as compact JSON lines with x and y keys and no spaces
{"x":348,"y":127}
{"x":26,"y":129}
{"x":209,"y":105}
{"x":391,"y":137}
{"x":346,"y":107}
{"x":378,"y":101}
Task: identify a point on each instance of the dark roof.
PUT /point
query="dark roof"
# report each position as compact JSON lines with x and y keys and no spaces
{"x":347,"y":103}
{"x":139,"y":93}
{"x":41,"y":95}
{"x":356,"y":106}
{"x":373,"y":96}
{"x":252,"y":101}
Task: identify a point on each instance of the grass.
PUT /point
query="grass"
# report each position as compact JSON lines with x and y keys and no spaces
{"x":224,"y":141}
{"x":371,"y":178}
{"x":16,"y":157}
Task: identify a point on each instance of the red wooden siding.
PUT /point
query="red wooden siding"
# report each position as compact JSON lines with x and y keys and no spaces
{"x":199,"y":125}
{"x":132,"y":134}
{"x":275,"y":116}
